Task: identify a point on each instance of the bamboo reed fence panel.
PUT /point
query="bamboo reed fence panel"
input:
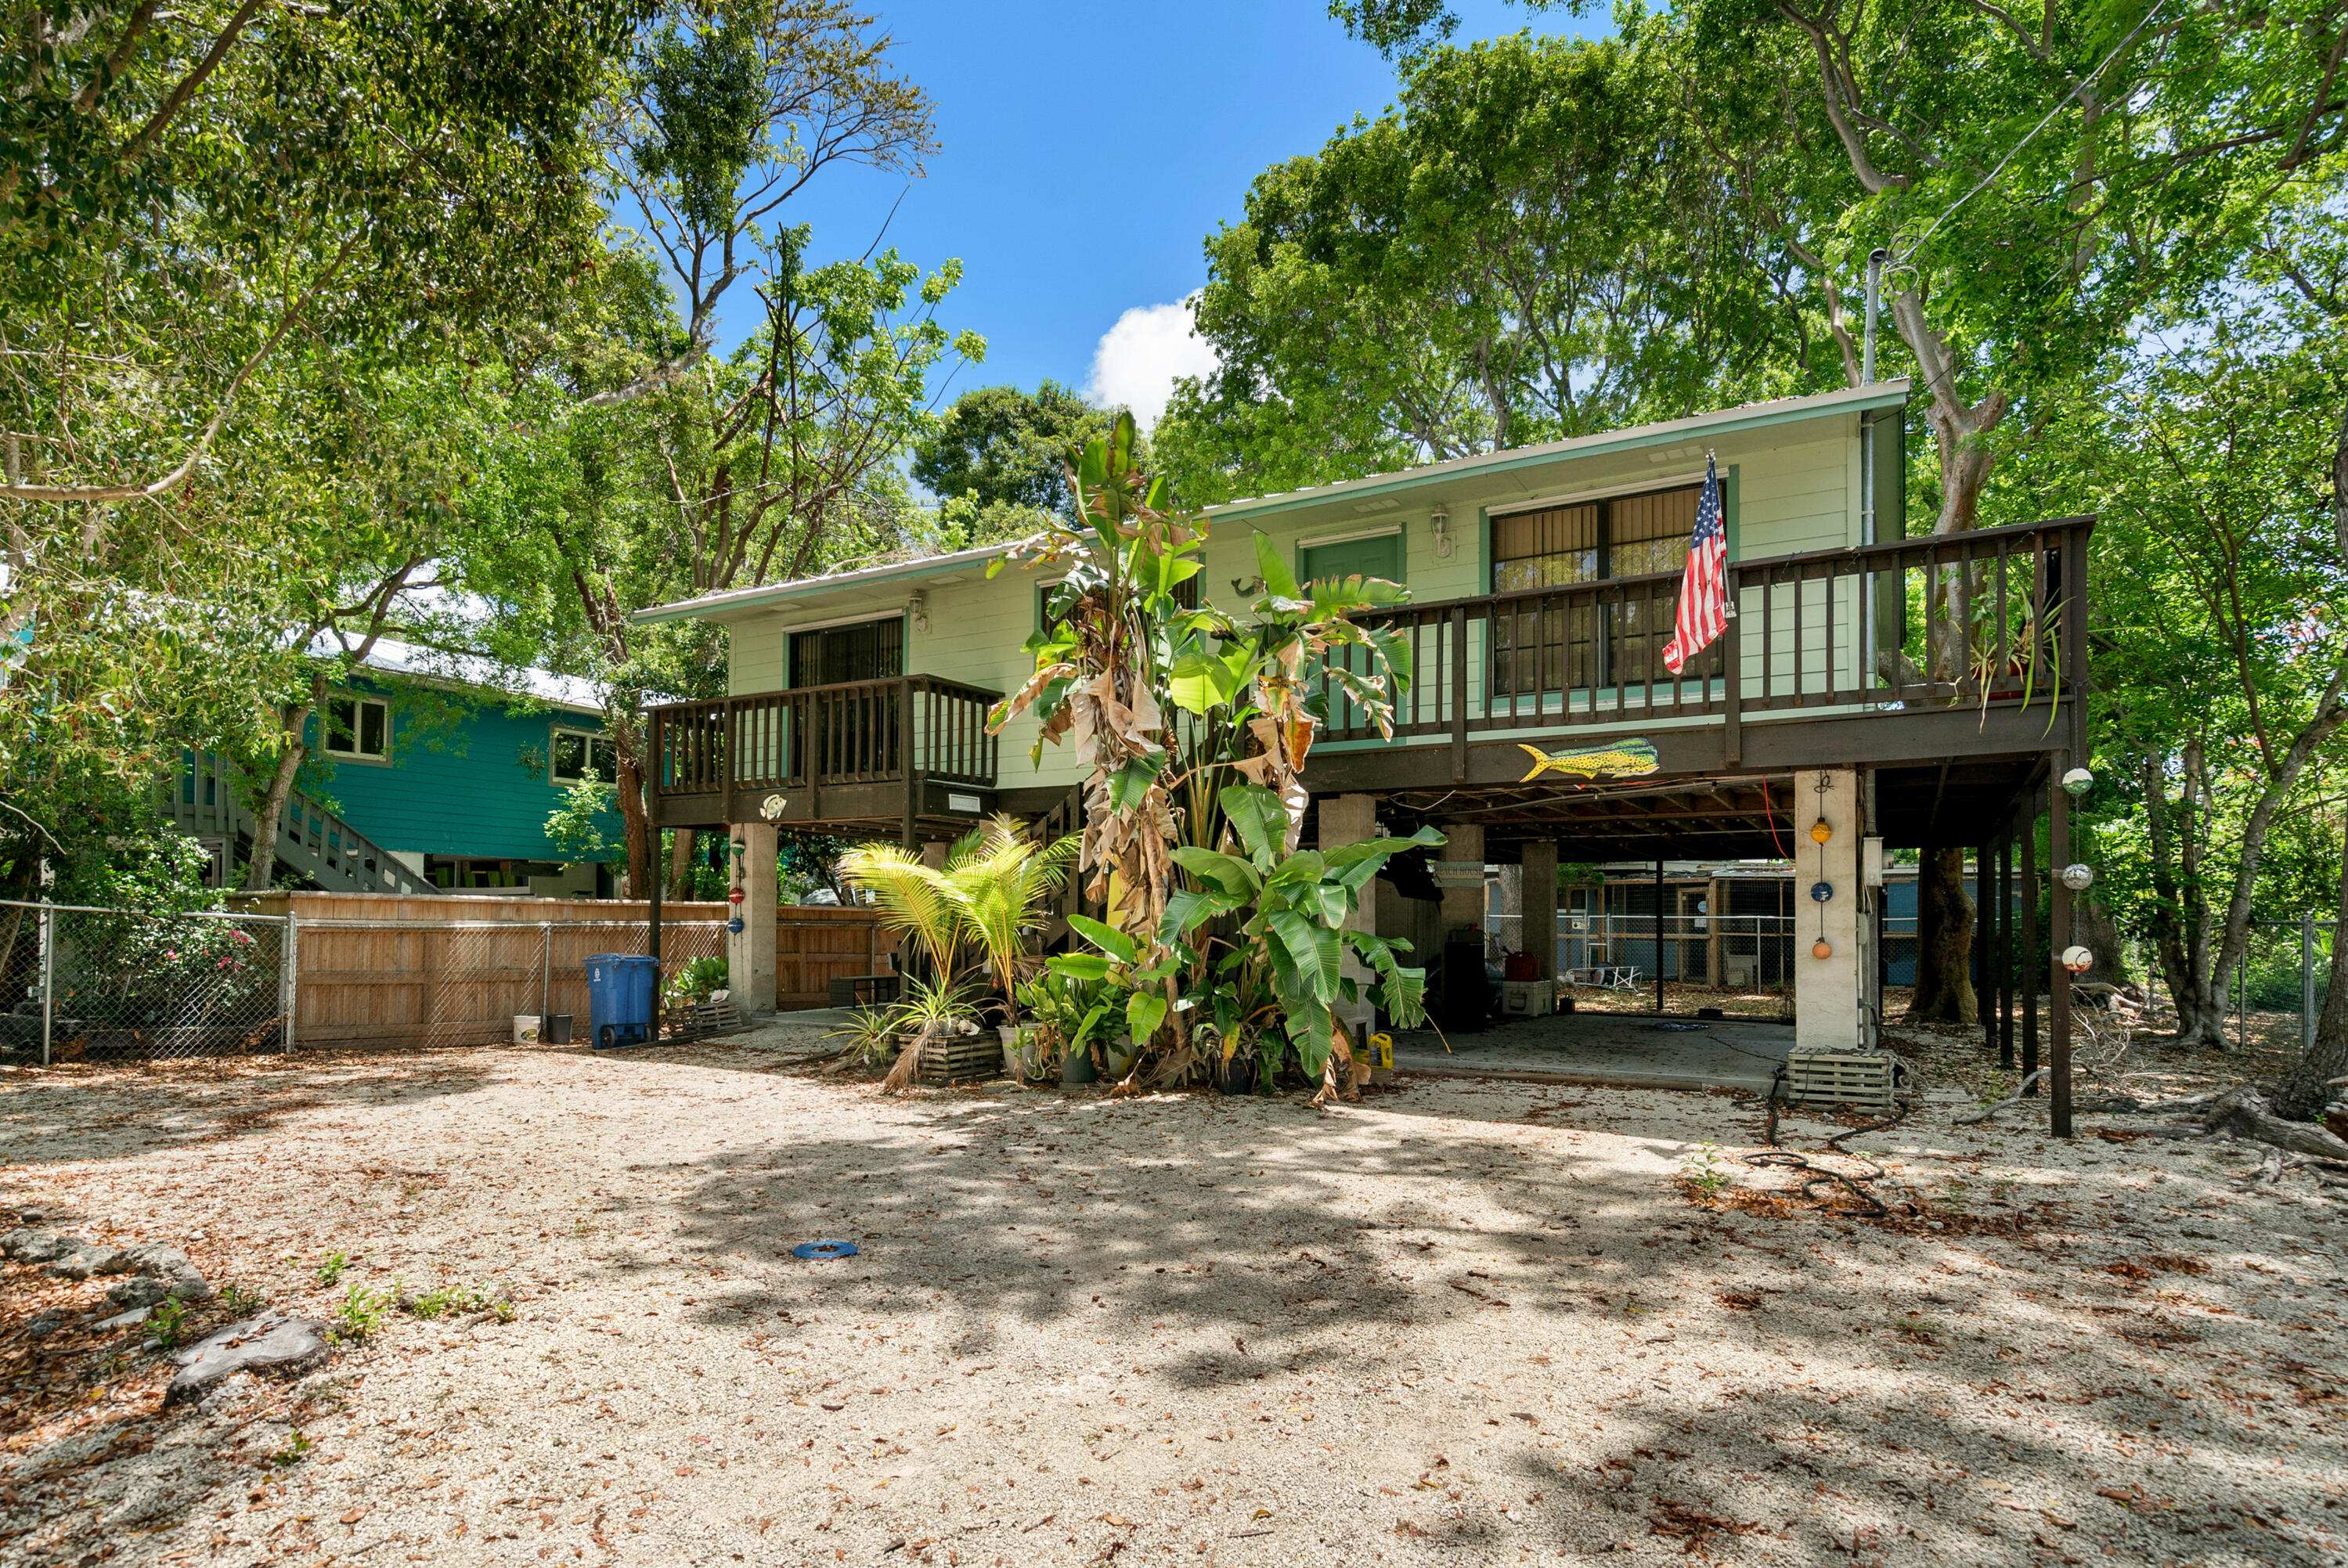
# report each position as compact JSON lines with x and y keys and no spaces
{"x":380,"y":969}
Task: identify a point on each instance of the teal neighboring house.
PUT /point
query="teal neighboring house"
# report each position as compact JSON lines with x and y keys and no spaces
{"x":428,"y":776}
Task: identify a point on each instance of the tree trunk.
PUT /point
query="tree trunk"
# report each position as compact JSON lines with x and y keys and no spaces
{"x":2094,"y":926}
{"x":2304,"y":1093}
{"x":1945,"y":918}
{"x":636,"y":822}
{"x":680,"y":865}
{"x":263,"y":863}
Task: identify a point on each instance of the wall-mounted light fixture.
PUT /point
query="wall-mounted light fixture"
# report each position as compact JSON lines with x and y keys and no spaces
{"x":917,"y":607}
{"x":1438,"y":523}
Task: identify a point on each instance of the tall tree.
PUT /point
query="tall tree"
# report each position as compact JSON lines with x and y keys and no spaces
{"x":1004,"y":451}
{"x":1530,"y":245}
{"x":2222,"y":666}
{"x":199,"y":207}
{"x":688,"y":471}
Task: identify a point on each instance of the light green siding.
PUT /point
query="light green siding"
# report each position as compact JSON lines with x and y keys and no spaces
{"x":1796,"y":488}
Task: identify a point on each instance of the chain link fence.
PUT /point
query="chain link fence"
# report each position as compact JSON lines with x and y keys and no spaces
{"x":2285,"y":968}
{"x":91,"y":984}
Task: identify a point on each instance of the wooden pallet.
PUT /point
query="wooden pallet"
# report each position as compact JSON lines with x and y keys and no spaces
{"x":702,"y":1020}
{"x":963,"y":1058}
{"x":1861,"y":1079}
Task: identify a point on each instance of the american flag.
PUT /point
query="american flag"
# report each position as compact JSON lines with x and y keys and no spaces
{"x":1704,"y":587}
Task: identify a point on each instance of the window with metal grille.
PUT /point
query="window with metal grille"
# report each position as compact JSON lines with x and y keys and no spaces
{"x":1608,"y":640}
{"x":867,"y":651}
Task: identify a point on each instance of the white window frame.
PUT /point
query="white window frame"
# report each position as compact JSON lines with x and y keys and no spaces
{"x":359,"y":705}
{"x":587,"y":756}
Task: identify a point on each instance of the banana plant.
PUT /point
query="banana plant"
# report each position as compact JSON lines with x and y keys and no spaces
{"x":1263,"y":677}
{"x":1296,"y":902}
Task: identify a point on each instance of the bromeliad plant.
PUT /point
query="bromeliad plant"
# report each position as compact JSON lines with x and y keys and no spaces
{"x":1296,"y":902}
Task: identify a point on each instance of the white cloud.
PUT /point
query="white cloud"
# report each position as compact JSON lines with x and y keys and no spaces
{"x":1138,"y":359}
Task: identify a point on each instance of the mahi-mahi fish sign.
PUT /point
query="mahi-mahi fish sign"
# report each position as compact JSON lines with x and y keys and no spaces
{"x":1615,"y":759}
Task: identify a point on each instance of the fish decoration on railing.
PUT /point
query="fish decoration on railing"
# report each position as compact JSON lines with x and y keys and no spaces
{"x":1616,"y":759}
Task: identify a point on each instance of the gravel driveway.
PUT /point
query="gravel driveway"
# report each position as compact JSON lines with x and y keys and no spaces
{"x":1459,"y":1323}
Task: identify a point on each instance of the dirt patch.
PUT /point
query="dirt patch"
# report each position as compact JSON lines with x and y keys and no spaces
{"x":1459,"y":1322}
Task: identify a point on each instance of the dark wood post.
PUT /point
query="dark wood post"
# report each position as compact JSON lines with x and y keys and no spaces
{"x":1459,"y":693}
{"x":660,"y":863}
{"x":1984,"y":944}
{"x":2027,"y":971}
{"x":2058,"y":1004}
{"x":905,"y":759}
{"x":2005,"y":951}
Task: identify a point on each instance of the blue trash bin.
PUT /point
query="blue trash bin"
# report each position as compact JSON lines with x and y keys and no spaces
{"x":621,"y":987}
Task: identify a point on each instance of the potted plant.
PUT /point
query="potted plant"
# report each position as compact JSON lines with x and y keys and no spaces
{"x":1071,"y":1012}
{"x":969,"y":920}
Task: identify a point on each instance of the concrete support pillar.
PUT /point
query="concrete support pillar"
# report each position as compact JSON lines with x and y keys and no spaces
{"x":1459,"y":872}
{"x":750,"y":952}
{"x":1349,"y":820}
{"x":1539,"y":923}
{"x":1828,"y":992}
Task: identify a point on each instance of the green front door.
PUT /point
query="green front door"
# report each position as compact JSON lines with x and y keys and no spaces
{"x":1376,"y":557}
{"x":1380,"y":556}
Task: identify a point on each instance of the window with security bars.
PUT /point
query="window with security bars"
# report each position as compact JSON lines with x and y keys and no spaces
{"x":854,"y":733}
{"x":1605,"y":639}
{"x":831,"y":655}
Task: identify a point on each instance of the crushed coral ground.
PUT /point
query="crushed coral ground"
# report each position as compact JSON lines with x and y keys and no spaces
{"x":1456,"y":1322}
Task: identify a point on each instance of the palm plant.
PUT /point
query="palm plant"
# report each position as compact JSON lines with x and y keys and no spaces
{"x":988,"y":896}
{"x":1000,"y":882}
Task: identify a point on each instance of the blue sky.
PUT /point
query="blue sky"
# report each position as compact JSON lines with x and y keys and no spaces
{"x":1087,"y":151}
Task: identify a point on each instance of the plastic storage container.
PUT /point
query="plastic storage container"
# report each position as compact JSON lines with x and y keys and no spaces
{"x":620,"y":991}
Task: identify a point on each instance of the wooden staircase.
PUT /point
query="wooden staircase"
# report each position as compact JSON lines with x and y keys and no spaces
{"x":204,"y":801}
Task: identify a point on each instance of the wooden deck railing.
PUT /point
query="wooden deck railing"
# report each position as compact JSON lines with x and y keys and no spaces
{"x":1995,"y":616}
{"x":857,"y":732}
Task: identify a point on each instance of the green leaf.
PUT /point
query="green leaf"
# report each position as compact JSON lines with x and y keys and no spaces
{"x":1341,"y":595}
{"x":1078,"y":965}
{"x":1260,"y":819}
{"x":1229,"y":872}
{"x":1186,"y":908}
{"x":1144,"y":1011}
{"x":1201,"y":683}
{"x":1129,"y":785}
{"x":1380,"y":850}
{"x":1303,"y":866}
{"x":1278,"y":580}
{"x":1312,"y":949}
{"x":1310,"y":1028}
{"x":1107,"y":938}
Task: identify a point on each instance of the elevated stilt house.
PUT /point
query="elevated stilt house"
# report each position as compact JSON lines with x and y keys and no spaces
{"x":1873,"y":689}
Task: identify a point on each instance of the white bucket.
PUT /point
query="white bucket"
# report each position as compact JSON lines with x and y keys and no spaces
{"x":526,"y":1028}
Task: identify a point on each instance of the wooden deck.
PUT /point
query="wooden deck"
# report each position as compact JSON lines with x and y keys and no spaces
{"x":1952,"y":666}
